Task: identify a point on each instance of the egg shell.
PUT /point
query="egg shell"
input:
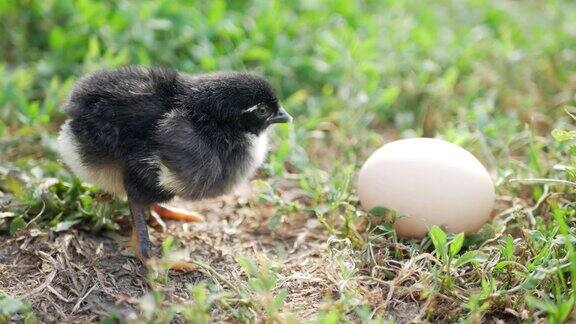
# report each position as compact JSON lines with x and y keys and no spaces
{"x":429,"y":182}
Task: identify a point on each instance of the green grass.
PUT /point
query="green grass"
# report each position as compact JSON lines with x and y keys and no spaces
{"x":497,"y":77}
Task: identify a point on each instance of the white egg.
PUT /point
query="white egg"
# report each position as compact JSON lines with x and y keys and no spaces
{"x":428,"y":182}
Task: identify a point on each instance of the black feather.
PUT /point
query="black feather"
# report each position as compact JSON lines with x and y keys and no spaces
{"x":144,"y":119}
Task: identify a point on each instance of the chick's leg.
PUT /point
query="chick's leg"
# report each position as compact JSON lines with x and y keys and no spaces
{"x":141,"y":189}
{"x":140,"y":241}
{"x":177,"y":214}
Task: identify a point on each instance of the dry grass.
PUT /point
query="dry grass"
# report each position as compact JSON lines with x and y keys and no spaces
{"x":80,"y":277}
{"x":77,"y":276}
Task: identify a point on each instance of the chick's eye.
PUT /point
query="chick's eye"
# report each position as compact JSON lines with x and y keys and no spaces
{"x":261,"y":111}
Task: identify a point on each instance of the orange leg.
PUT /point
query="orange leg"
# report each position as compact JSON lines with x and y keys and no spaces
{"x":177,"y":214}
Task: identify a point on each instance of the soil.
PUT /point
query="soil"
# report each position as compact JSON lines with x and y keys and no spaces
{"x":79,"y":276}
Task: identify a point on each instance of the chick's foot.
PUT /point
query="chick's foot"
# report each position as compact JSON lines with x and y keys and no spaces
{"x":177,"y":214}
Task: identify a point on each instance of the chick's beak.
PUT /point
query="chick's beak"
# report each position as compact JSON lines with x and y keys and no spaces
{"x":281,"y":117}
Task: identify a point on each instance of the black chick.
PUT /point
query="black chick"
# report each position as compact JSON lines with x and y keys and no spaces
{"x":152,"y":133}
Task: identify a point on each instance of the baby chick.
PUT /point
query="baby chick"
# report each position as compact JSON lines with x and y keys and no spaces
{"x":150,"y":134}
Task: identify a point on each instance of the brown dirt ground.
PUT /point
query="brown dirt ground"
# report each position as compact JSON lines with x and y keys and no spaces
{"x":78,"y":276}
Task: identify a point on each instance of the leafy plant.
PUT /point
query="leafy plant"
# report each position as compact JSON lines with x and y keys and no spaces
{"x":10,"y":306}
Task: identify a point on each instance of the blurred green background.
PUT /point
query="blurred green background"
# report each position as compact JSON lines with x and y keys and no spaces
{"x":391,"y":62}
{"x":495,"y":76}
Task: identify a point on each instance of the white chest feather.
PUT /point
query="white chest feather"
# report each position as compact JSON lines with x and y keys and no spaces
{"x":258,"y":151}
